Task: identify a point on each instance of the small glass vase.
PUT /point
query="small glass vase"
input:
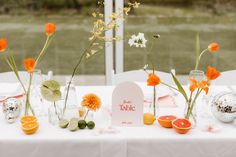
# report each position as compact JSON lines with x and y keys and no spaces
{"x":190,"y":113}
{"x":71,"y":109}
{"x":153,"y":106}
{"x":197,"y":75}
{"x":54,"y":114}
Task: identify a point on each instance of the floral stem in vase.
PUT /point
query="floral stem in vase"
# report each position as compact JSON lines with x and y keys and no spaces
{"x":86,"y":114}
{"x":74,"y":71}
{"x":154,"y":100}
{"x":54,"y":103}
{"x":199,"y":58}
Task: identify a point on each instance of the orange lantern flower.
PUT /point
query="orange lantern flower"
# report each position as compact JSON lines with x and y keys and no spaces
{"x":50,"y":28}
{"x":212,"y":73}
{"x":29,"y":64}
{"x":213,"y":47}
{"x":153,"y":80}
{"x":3,"y":44}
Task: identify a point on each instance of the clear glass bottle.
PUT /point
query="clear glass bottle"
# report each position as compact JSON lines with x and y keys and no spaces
{"x":36,"y":99}
{"x":197,"y":75}
{"x":190,"y":113}
{"x":54,"y":114}
{"x":72,"y":103}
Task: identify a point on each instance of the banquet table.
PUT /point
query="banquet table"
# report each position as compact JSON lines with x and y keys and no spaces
{"x":152,"y":141}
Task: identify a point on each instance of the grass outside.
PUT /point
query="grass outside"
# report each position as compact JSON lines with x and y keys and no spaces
{"x":175,"y":48}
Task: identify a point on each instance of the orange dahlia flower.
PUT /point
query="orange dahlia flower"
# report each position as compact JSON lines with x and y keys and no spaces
{"x":91,"y":101}
{"x":212,"y":73}
{"x":213,"y":47}
{"x":153,"y":80}
{"x":29,"y":64}
{"x":3,"y":44}
{"x":50,"y":28}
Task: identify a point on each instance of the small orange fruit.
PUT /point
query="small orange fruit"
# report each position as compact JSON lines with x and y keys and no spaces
{"x":30,"y":128}
{"x":181,"y":126}
{"x":166,"y":121}
{"x":148,"y":118}
{"x":28,"y":119}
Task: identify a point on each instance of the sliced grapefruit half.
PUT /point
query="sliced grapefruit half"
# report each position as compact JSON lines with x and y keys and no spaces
{"x":181,"y":125}
{"x":166,"y":121}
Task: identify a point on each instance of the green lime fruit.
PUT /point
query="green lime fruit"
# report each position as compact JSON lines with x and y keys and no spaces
{"x":90,"y":124}
{"x":50,"y":90}
{"x":73,"y":124}
{"x":82,"y":124}
{"x":63,"y":123}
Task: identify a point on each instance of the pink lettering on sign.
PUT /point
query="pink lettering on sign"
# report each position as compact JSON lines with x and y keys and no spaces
{"x":127,"y":106}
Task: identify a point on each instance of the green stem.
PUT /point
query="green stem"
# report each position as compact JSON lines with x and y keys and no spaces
{"x":170,"y":86}
{"x":199,"y":58}
{"x":86,"y":114}
{"x":154,"y":100}
{"x":192,"y":104}
{"x":74,"y":71}
{"x":43,"y":50}
{"x":54,"y":103}
{"x":28,"y":105}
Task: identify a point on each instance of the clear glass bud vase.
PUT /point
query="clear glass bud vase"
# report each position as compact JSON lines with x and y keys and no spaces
{"x":190,"y":113}
{"x":153,"y":106}
{"x":54,"y":114}
{"x":197,"y":75}
{"x":72,"y":103}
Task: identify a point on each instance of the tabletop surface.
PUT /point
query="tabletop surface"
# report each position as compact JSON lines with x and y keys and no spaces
{"x":49,"y":132}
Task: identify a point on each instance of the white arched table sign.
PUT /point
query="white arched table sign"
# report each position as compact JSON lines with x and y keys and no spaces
{"x":127,"y":105}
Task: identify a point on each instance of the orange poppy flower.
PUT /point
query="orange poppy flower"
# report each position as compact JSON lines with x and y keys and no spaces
{"x":153,"y":80}
{"x":29,"y":64}
{"x":213,"y":47}
{"x":202,"y":85}
{"x":212,"y":73}
{"x":193,"y":85}
{"x":50,"y":28}
{"x":3,"y":45}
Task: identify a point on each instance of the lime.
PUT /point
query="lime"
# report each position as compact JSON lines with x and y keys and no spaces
{"x":63,"y":123}
{"x":90,"y":124}
{"x":82,"y":124}
{"x":73,"y":124}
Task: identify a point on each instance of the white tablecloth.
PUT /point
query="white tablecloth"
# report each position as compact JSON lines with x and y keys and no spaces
{"x":152,"y":141}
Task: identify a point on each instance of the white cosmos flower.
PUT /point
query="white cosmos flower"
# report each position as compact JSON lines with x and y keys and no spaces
{"x":138,"y":40}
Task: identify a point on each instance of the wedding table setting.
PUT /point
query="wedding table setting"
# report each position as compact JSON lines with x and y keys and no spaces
{"x":107,"y":140}
{"x":154,"y":117}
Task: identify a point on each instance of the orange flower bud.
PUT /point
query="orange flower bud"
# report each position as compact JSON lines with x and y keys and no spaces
{"x":50,"y":28}
{"x":29,"y":64}
{"x":213,"y":47}
{"x":153,"y":80}
{"x":3,"y":44}
{"x":212,"y":73}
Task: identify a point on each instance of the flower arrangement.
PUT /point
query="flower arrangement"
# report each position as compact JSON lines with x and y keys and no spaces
{"x":97,"y":38}
{"x":139,"y":41}
{"x":92,"y":102}
{"x":30,"y":64}
{"x":213,"y":48}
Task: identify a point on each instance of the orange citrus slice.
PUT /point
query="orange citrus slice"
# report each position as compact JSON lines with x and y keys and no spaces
{"x":181,"y":126}
{"x":30,"y":128}
{"x":28,"y":119}
{"x":148,"y":118}
{"x":166,"y":121}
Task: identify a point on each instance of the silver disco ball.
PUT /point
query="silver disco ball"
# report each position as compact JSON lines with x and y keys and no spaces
{"x":223,"y":106}
{"x":11,"y":108}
